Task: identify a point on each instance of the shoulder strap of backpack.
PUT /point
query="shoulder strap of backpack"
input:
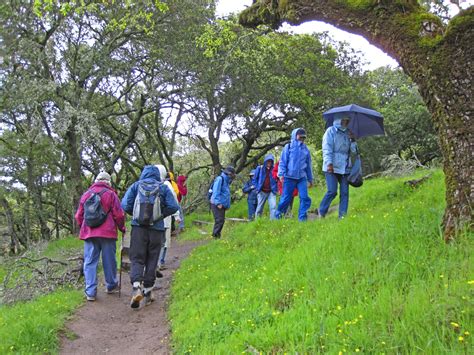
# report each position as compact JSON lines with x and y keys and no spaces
{"x":102,"y":191}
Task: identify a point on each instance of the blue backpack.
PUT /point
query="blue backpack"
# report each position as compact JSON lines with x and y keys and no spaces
{"x":147,"y":205}
{"x":94,"y":214}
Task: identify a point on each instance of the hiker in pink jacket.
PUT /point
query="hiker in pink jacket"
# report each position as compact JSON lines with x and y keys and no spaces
{"x":100,"y":215}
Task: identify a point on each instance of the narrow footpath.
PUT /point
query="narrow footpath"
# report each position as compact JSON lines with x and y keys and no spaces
{"x":109,"y":325}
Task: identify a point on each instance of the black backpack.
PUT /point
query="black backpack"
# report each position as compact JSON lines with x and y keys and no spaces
{"x":94,"y":214}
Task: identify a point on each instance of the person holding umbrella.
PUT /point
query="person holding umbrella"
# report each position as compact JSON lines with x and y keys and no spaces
{"x":338,"y":142}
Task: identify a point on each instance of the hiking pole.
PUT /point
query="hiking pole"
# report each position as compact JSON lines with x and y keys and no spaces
{"x":121,"y":265}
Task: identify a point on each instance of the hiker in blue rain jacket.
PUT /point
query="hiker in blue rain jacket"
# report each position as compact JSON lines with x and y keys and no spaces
{"x":220,"y":199}
{"x":338,"y":142}
{"x":295,"y":169}
{"x":267,"y":186}
{"x":146,"y":240}
{"x":250,"y":189}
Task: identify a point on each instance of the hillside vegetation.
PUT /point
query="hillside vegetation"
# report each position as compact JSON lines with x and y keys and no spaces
{"x":380,"y":281}
{"x":33,"y":327}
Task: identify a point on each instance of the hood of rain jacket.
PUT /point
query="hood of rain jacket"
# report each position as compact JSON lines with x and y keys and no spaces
{"x":151,"y":175}
{"x":295,"y":160}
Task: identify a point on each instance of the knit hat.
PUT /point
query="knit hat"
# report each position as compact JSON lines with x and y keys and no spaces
{"x":103,"y":177}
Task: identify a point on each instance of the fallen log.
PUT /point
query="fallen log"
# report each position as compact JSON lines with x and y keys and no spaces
{"x":201,"y":223}
{"x":417,"y":182}
{"x":232,"y":219}
{"x":27,"y":277}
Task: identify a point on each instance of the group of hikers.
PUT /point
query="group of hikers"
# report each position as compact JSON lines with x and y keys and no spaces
{"x":291,"y":176}
{"x":154,"y":203}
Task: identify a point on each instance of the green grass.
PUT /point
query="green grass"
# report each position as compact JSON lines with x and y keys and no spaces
{"x":60,"y":247}
{"x":33,"y":327}
{"x":238,"y":210}
{"x":380,"y":281}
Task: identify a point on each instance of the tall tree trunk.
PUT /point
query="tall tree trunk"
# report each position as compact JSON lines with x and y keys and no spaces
{"x":74,"y":178}
{"x":438,"y":58}
{"x":34,"y":195}
{"x":14,"y":244}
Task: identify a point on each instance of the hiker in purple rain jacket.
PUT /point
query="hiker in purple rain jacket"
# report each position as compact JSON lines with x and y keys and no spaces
{"x":267,"y":186}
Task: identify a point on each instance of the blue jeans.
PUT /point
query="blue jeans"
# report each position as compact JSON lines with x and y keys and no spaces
{"x":252,"y":207}
{"x":287,"y":196}
{"x":92,"y":249}
{"x":331,"y":181}
{"x":262,"y":197}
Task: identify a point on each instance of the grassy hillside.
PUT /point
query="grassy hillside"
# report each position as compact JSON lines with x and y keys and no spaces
{"x":380,"y":281}
{"x":32,"y":327}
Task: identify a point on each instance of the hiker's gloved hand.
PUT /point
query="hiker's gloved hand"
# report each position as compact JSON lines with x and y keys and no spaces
{"x":330,"y":168}
{"x":123,"y":229}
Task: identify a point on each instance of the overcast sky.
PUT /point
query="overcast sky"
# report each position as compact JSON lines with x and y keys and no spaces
{"x":373,"y":56}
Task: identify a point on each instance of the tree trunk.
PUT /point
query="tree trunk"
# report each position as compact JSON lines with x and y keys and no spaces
{"x":14,"y":245}
{"x":74,"y":178}
{"x":34,"y":195}
{"x":438,"y":58}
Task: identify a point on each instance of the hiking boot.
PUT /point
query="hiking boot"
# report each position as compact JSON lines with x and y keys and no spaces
{"x":149,"y":298}
{"x":137,"y":296}
{"x":89,"y":298}
{"x":112,"y":290}
{"x":158,"y":274}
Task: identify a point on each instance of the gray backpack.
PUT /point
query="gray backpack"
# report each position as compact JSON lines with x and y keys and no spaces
{"x":147,"y":205}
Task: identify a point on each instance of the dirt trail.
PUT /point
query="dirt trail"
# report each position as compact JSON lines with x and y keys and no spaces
{"x":109,"y":325}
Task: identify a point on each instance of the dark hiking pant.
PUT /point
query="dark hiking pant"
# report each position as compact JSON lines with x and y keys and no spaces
{"x":219,"y":219}
{"x":145,"y":246}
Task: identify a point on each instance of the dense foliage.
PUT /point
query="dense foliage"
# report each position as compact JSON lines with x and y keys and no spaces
{"x":98,"y":86}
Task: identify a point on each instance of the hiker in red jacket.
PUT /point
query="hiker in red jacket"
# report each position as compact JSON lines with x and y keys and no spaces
{"x":101,"y":238}
{"x":183,"y":191}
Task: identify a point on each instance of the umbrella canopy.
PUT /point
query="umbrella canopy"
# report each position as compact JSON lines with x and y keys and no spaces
{"x":364,"y":122}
